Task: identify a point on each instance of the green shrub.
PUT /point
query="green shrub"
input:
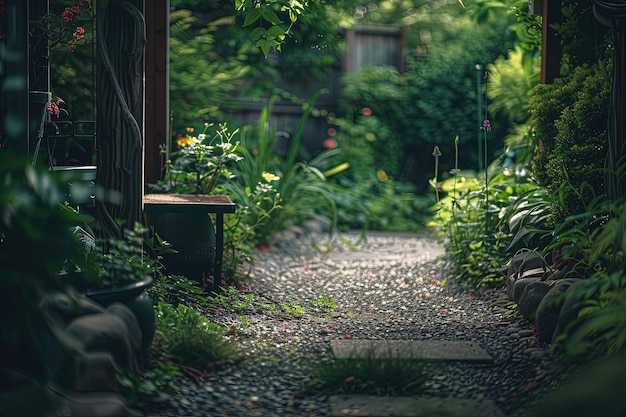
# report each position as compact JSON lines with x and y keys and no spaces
{"x":373,"y":100}
{"x":570,"y":120}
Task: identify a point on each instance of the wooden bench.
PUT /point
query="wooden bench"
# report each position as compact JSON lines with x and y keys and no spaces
{"x":196,"y":203}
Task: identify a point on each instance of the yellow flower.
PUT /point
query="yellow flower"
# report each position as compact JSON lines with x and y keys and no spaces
{"x":381,"y":175}
{"x":189,"y":130}
{"x":269,"y":177}
{"x":185,"y":141}
{"x":370,"y":137}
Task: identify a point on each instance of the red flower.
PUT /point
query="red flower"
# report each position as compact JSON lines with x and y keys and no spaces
{"x":331,"y":131}
{"x":366,"y":111}
{"x":330,"y":143}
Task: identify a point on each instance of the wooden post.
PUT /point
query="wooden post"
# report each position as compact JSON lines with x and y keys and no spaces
{"x":551,"y":42}
{"x":157,"y":85}
{"x":120,"y":110}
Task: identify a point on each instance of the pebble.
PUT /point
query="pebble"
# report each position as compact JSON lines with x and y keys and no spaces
{"x":388,"y":288}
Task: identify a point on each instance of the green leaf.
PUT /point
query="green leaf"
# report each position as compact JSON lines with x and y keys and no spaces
{"x":271,"y":17}
{"x":257,"y":34}
{"x":476,"y":245}
{"x":252,"y":16}
{"x":265,"y":48}
{"x":275,"y":32}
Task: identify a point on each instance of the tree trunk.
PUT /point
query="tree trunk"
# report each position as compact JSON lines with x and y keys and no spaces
{"x":120,"y":114}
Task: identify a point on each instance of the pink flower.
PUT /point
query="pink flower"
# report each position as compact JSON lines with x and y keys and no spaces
{"x":255,"y":151}
{"x":80,"y":32}
{"x":331,"y":131}
{"x":329,"y":143}
{"x":366,"y":111}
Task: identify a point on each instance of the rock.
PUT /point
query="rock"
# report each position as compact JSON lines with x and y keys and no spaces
{"x":531,"y":298}
{"x":109,"y":332}
{"x":526,"y":333}
{"x":520,"y":263}
{"x":549,"y":310}
{"x":69,"y":307}
{"x":317,"y":225}
{"x":530,"y":274}
{"x":520,"y":287}
{"x":96,"y":373}
{"x":528,"y":259}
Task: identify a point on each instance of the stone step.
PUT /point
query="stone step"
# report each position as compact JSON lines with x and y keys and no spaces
{"x":376,"y":406}
{"x":448,"y":350}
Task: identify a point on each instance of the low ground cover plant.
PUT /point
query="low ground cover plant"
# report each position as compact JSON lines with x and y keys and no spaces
{"x":390,"y":375}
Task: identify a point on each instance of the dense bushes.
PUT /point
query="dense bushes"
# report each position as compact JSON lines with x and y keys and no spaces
{"x":570,"y":120}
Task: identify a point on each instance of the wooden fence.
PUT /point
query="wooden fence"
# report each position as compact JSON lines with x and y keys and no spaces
{"x":366,"y":46}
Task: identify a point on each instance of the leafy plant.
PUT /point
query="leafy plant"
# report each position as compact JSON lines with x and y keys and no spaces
{"x":470,"y":215}
{"x":151,"y":384}
{"x":527,"y":219}
{"x":599,"y":329}
{"x":599,"y":304}
{"x":176,"y":289}
{"x":112,"y":262}
{"x":190,"y":337}
{"x":263,"y":12}
{"x":295,"y":181}
{"x":291,"y":307}
{"x":323,"y":303}
{"x":200,"y":161}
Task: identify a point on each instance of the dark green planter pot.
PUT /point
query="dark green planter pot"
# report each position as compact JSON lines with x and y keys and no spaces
{"x":135,"y":297}
{"x":192,"y":235}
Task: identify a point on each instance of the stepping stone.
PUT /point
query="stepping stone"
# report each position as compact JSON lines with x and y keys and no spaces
{"x":409,"y":349}
{"x":375,"y":406}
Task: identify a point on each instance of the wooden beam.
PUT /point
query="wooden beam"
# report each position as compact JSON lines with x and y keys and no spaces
{"x":157,"y":129}
{"x":551,"y":42}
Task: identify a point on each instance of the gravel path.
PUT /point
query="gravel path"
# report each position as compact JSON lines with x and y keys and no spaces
{"x":388,"y":287}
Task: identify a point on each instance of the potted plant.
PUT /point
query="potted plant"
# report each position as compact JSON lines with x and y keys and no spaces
{"x":43,"y":362}
{"x":116,"y":271}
